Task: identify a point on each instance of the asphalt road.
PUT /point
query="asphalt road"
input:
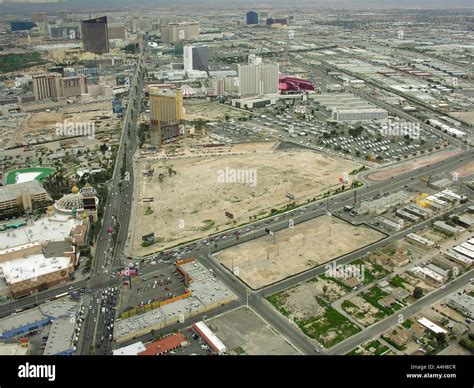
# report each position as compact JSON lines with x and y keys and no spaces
{"x":381,"y":326}
{"x":109,"y":254}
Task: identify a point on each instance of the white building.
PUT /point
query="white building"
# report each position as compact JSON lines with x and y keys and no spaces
{"x":428,"y":274}
{"x":463,"y":303}
{"x":257,"y":78}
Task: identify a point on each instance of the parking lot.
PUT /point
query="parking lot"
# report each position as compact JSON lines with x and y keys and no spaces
{"x":308,"y":126}
{"x":159,"y":285}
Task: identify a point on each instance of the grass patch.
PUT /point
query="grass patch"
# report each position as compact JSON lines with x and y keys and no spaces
{"x":373,"y":297}
{"x":208,"y":224}
{"x":370,"y":274}
{"x":278,"y":300}
{"x":335,"y":280}
{"x":149,"y":211}
{"x":378,"y":346}
{"x":12,"y":62}
{"x":397,"y":281}
{"x":329,"y":328}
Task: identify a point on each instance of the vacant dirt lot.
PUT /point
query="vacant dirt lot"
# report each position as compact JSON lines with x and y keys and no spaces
{"x":244,"y":332}
{"x":301,"y":302}
{"x":211,"y":111}
{"x":362,"y":311}
{"x":466,"y":170}
{"x":307,"y":245}
{"x":403,"y":168}
{"x":191,"y":194}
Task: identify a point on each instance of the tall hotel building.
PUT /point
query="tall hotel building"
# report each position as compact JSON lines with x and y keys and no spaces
{"x":257,"y":78}
{"x":166,"y":114}
{"x":95,"y":35}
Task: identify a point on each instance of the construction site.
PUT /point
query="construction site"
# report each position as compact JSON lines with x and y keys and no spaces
{"x":183,"y":198}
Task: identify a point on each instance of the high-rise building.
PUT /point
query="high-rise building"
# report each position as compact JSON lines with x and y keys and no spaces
{"x":177,"y":32}
{"x":117,"y":31}
{"x":166,"y":114}
{"x":39,"y":17}
{"x":46,"y":86}
{"x":53,"y":85}
{"x":20,"y":198}
{"x":61,"y":15}
{"x":271,"y":21}
{"x":254,"y":60}
{"x":95,"y":35}
{"x":257,"y":78}
{"x":195,"y":57}
{"x":252,"y":17}
{"x":144,"y":26}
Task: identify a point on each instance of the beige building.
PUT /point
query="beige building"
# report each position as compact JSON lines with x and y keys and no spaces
{"x":166,"y":113}
{"x":20,"y":251}
{"x":53,"y":85}
{"x":257,"y":78}
{"x":22,"y":197}
{"x":39,"y":17}
{"x":177,"y":32}
{"x":35,"y":273}
{"x":117,"y":31}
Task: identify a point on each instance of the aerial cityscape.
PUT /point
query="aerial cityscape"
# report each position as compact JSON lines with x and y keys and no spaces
{"x":241,"y":180}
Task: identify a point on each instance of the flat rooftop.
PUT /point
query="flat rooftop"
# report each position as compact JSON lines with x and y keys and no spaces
{"x":31,"y":267}
{"x":130,"y":350}
{"x":55,"y":228}
{"x":59,"y":308}
{"x":11,"y":192}
{"x":24,"y":318}
{"x":206,"y":290}
{"x":60,"y":337}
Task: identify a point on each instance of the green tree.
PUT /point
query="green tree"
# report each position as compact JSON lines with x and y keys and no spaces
{"x":417,"y":292}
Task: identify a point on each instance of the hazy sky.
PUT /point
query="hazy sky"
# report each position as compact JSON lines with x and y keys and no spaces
{"x":259,"y":4}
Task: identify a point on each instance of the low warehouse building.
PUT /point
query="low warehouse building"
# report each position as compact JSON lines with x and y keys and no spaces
{"x":206,"y":333}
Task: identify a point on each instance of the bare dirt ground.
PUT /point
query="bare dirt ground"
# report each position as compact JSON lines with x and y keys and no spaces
{"x":190,"y":198}
{"x":466,"y":116}
{"x":261,"y":262}
{"x":466,"y":170}
{"x":301,"y":301}
{"x":243,"y":331}
{"x":412,"y":165}
{"x":363,"y":312}
{"x":210,"y":111}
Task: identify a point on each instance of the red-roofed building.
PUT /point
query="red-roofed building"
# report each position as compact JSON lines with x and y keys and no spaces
{"x":164,"y":345}
{"x":24,"y":342}
{"x":292,"y":84}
